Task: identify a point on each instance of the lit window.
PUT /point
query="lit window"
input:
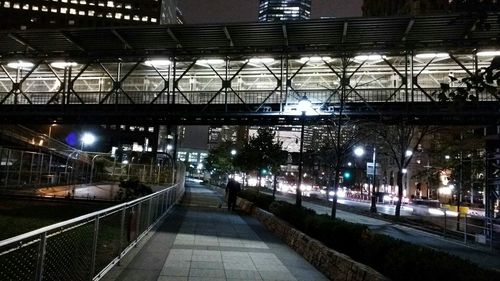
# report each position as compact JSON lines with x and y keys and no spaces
{"x":118,"y":15}
{"x":100,"y":4}
{"x":71,"y":22}
{"x":153,"y":19}
{"x":16,"y":6}
{"x":45,"y":9}
{"x":72,"y":11}
{"x":64,"y":10}
{"x":34,"y":8}
{"x":109,"y":15}
{"x":74,"y":1}
{"x":151,"y":129}
{"x":136,"y":18}
{"x":99,"y":15}
{"x":6,"y":4}
{"x":145,"y":18}
{"x":111,"y":4}
{"x":53,"y":10}
{"x":91,"y":13}
{"x":81,"y":13}
{"x":127,"y":17}
{"x":55,"y":0}
{"x":26,"y":7}
{"x":119,"y":6}
{"x":64,"y":1}
{"x":92,"y":4}
{"x":128,"y":6}
{"x":83,"y":2}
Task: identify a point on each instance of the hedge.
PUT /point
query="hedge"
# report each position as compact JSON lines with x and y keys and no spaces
{"x":396,"y":259}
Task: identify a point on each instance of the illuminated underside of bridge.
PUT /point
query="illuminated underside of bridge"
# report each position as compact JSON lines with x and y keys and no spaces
{"x":386,"y":68}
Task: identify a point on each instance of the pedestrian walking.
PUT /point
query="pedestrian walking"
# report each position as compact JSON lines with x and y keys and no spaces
{"x":232,"y":189}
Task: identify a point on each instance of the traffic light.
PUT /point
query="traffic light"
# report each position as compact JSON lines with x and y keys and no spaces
{"x":263,"y":171}
{"x":347,"y":175}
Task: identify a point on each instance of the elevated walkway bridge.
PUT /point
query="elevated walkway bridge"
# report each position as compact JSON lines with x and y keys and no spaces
{"x":380,"y":69}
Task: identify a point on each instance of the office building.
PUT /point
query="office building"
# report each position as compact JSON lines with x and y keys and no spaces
{"x":381,"y":8}
{"x":24,"y":14}
{"x":284,"y":10}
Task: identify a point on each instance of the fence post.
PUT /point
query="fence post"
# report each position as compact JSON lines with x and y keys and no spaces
{"x":444,"y":229}
{"x":149,"y":212}
{"x":465,"y":227}
{"x":42,"y":247}
{"x":122,"y":233}
{"x":138,"y":222}
{"x":94,"y":248}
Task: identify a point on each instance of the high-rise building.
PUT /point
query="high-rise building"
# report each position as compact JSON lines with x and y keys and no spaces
{"x":380,"y":8}
{"x":24,"y":14}
{"x":284,"y":10}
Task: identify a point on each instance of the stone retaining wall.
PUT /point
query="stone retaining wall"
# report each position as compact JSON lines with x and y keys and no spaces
{"x":332,"y":264}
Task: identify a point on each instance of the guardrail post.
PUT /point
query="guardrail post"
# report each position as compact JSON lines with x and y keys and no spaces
{"x":42,"y":248}
{"x":138,"y":222}
{"x":149,"y":212}
{"x":94,"y":248}
{"x":122,"y":233}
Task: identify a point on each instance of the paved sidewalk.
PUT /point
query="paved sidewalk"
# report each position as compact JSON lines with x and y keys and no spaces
{"x":200,"y":241}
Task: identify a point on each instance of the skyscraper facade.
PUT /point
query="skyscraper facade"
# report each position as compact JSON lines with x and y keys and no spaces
{"x":284,"y":10}
{"x":380,"y":8}
{"x":24,"y":14}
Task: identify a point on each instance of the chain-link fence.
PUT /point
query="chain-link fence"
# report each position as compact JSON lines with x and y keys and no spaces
{"x":85,"y":248}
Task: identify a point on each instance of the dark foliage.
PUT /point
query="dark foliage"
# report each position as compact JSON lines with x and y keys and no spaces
{"x":131,"y":189}
{"x":259,"y":199}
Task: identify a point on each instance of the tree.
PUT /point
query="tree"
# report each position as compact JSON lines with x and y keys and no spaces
{"x":261,"y":153}
{"x":485,"y":79}
{"x":336,"y":144}
{"x":219,"y":161}
{"x":400,"y":141}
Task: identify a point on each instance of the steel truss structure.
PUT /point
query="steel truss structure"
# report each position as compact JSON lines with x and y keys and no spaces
{"x":248,"y":73}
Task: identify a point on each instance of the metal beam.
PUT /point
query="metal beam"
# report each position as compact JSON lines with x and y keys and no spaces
{"x":228,"y":36}
{"x":125,"y":43}
{"x":344,"y":32}
{"x":174,"y":38}
{"x":285,"y":34}
{"x":21,"y":41}
{"x":408,"y":29}
{"x":71,"y":40}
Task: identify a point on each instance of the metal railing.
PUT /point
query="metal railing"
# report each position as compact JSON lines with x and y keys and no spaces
{"x":87,"y":247}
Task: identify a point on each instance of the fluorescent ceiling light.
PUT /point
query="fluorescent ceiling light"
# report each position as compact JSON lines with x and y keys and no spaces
{"x":63,"y":64}
{"x":211,"y":61}
{"x":432,"y":55}
{"x":20,"y":64}
{"x":315,"y":59}
{"x":488,"y":53}
{"x":261,"y":60}
{"x":368,"y":57}
{"x":158,"y":62}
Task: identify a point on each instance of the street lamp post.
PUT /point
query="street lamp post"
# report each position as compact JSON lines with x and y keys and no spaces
{"x":359,"y":151}
{"x":373,"y":206}
{"x":303,"y":106}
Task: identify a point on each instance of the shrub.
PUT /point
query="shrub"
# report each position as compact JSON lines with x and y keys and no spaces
{"x":260,"y":200}
{"x":396,"y":259}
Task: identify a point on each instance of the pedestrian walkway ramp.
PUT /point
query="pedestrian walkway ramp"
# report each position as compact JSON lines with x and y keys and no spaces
{"x":200,"y":241}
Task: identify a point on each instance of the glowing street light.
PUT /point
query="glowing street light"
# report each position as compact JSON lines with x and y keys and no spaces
{"x":233,"y":152}
{"x":87,"y":139}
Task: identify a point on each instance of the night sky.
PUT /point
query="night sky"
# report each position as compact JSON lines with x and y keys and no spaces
{"x":222,"y":11}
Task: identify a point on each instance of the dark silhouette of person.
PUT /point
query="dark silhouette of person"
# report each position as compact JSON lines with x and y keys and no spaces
{"x":232,"y":189}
